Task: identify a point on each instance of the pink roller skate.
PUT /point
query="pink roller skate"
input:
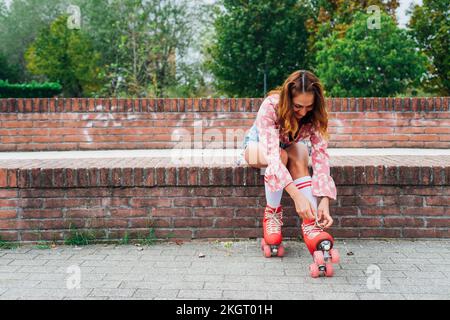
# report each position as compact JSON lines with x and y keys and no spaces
{"x":271,"y":244}
{"x":320,"y":245}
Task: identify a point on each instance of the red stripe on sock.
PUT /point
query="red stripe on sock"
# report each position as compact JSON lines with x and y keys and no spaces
{"x":302,"y":183}
{"x":305,"y":186}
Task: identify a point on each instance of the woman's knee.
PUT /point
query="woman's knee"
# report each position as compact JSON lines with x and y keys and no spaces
{"x":298,"y":163}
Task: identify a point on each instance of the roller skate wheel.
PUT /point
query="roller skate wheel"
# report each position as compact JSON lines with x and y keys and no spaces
{"x":318,"y":258}
{"x":314,"y":270}
{"x":335,"y":258}
{"x":329,"y":271}
{"x":267,"y":251}
{"x":280,"y":252}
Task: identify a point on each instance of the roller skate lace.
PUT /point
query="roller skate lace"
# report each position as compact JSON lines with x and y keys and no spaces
{"x":311,"y":229}
{"x":274,"y":221}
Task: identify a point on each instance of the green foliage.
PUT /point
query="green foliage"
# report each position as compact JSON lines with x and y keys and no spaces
{"x":20,"y":25}
{"x":65,"y":56}
{"x":140,"y":42}
{"x":125,"y":240}
{"x":254,"y":41}
{"x":29,"y":90}
{"x":430,"y":26}
{"x":44,"y":246}
{"x":328,"y":16}
{"x":79,"y":238}
{"x":8,"y":71}
{"x":150,"y":239}
{"x":369,"y":62}
{"x":7,"y":245}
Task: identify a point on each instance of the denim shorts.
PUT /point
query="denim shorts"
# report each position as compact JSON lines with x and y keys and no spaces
{"x":252,"y":136}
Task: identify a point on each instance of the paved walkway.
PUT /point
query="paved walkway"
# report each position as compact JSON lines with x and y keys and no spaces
{"x":394,"y":269}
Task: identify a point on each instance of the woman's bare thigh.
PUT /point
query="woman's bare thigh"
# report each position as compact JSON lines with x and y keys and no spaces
{"x":254,"y":155}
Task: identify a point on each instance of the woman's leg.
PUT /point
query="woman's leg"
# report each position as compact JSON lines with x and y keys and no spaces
{"x":298,"y":167}
{"x":254,"y":155}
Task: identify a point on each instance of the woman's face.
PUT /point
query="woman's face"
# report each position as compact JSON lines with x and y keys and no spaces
{"x":303,"y":103}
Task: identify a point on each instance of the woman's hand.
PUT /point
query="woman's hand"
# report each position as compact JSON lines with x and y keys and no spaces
{"x":325,"y":220}
{"x":303,"y":207}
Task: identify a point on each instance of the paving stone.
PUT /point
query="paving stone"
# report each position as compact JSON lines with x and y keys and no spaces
{"x":408,"y":270}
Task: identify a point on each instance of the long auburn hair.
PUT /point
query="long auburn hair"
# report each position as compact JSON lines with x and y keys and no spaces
{"x":298,"y":82}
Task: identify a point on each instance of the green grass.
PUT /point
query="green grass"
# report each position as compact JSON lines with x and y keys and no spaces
{"x":150,"y":239}
{"x":125,"y":240}
{"x":7,"y":245}
{"x":79,"y":238}
{"x":43,"y":246}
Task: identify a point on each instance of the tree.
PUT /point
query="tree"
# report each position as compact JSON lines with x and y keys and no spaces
{"x":328,"y":16}
{"x":257,"y":44}
{"x":431,"y":29}
{"x":20,"y":24}
{"x":140,"y":42}
{"x":65,"y":56}
{"x":7,"y":71}
{"x":369,"y":62}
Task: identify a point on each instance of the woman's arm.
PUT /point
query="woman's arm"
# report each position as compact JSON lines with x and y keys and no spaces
{"x":277,"y":175}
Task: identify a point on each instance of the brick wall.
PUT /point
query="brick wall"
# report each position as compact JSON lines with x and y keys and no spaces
{"x":185,"y":203}
{"x":95,"y":124}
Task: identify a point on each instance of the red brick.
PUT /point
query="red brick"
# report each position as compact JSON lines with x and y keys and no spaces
{"x":403,"y":222}
{"x":380,"y":233}
{"x":423,"y":211}
{"x":8,"y":214}
{"x":373,"y":211}
{"x":360,"y":222}
{"x":4,"y":203}
{"x":344,"y":211}
{"x":438,"y":222}
{"x":149,"y":223}
{"x":193,"y":222}
{"x":85,"y":213}
{"x":249,"y":212}
{"x":237,"y":202}
{"x":214,"y":233}
{"x":9,"y":236}
{"x":425,"y":233}
{"x":8,"y":193}
{"x":150,"y":202}
{"x":32,"y":236}
{"x":87,"y":193}
{"x":171,"y":212}
{"x":123,"y":213}
{"x":173,"y":234}
{"x":437,"y":201}
{"x":213,"y":212}
{"x":41,"y":213}
{"x":235,"y":223}
{"x":194,"y":202}
{"x":71,"y":203}
{"x":3,"y":178}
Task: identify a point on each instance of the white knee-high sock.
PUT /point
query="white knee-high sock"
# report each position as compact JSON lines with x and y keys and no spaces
{"x":304,"y":185}
{"x":273,"y":198}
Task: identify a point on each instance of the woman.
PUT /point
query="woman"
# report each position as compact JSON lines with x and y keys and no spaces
{"x":278,"y":141}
